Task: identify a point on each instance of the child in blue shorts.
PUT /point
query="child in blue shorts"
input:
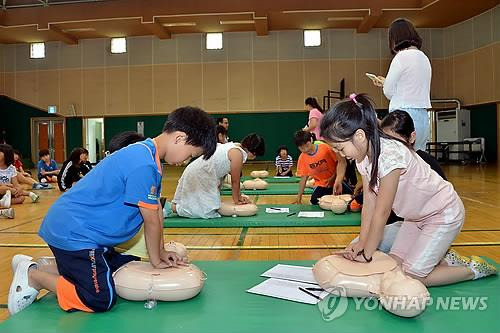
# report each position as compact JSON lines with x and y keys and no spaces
{"x":104,"y":209}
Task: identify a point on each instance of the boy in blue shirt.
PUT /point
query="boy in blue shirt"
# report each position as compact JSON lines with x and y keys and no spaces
{"x":106,"y":208}
{"x":47,"y":168}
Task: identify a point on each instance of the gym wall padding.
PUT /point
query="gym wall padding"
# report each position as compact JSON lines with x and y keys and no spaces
{"x":276,"y":128}
{"x":74,"y":133}
{"x":16,"y":120}
{"x":483,"y":120}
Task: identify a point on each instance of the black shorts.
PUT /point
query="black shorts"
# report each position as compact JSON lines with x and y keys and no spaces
{"x":91,"y":272}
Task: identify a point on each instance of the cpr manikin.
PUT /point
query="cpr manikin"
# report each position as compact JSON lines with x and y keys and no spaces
{"x":336,"y":203}
{"x":140,"y":281}
{"x":231,"y":209}
{"x":256,"y":184}
{"x":259,"y":174}
{"x":380,"y":278}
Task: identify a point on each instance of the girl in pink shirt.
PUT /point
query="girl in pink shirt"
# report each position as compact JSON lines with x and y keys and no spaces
{"x":395,"y":177}
{"x":315,"y":116}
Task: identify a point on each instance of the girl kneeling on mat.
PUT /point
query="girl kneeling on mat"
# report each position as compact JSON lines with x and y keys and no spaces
{"x":394,"y":176}
{"x":198,"y":192}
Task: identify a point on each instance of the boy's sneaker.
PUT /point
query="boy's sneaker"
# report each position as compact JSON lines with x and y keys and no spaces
{"x":453,"y":258}
{"x":21,"y":295}
{"x":6,"y":200}
{"x":7,"y":213}
{"x":34,"y":197}
{"x":40,"y":186}
{"x":481,"y":268}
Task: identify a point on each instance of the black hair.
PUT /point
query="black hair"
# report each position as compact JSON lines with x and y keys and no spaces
{"x":346,"y":117}
{"x":254,"y":143}
{"x":198,"y":126}
{"x":220,"y":120}
{"x":43,"y":152}
{"x":18,"y":153}
{"x":85,"y":151}
{"x":280,"y":148}
{"x":124,"y":139}
{"x":402,"y":35}
{"x":400,"y":122}
{"x":74,"y":157}
{"x":220,"y":130}
{"x":8,"y":153}
{"x":311,"y":101}
{"x":302,"y":137}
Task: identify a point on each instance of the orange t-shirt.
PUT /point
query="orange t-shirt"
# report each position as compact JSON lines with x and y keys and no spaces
{"x":321,"y":166}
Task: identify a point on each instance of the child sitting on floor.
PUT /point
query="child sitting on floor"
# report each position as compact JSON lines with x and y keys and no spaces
{"x":284,"y":163}
{"x":24,"y":177}
{"x":8,"y":176}
{"x":47,"y":168}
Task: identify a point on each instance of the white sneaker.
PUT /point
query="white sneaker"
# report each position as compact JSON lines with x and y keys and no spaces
{"x":6,"y":200}
{"x":21,"y":295}
{"x":34,"y":197}
{"x":17,"y":259}
{"x":7,"y":213}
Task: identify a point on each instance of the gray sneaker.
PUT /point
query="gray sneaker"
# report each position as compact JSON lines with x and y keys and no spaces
{"x":7,"y":213}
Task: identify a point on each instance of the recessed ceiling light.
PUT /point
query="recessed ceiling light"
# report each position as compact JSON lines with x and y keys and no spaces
{"x":78,"y":29}
{"x":345,"y":18}
{"x":179,"y":24}
{"x":237,"y":22}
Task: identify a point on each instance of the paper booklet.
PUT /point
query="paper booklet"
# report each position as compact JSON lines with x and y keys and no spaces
{"x":289,"y":282}
{"x":274,"y":210}
{"x":312,"y":214}
{"x":291,"y":272}
{"x":289,"y":290}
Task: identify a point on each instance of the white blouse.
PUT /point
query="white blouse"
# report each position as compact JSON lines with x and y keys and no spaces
{"x":408,"y":82}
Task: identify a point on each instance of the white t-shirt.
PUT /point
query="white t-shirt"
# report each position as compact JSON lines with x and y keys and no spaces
{"x":408,"y":82}
{"x":6,"y":175}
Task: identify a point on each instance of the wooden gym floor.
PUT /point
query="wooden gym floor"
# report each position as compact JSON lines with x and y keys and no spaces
{"x":479,"y":188}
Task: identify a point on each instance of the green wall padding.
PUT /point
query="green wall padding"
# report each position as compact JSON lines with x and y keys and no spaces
{"x":276,"y":128}
{"x":483,"y":120}
{"x":16,"y":119}
{"x":74,"y":133}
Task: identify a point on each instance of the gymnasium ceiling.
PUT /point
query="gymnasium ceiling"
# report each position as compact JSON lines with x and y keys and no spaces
{"x":71,"y":20}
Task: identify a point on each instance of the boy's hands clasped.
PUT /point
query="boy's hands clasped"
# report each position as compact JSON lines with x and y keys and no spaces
{"x":169,"y":259}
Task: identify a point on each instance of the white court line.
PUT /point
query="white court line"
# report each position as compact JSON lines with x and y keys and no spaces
{"x":480,"y":202}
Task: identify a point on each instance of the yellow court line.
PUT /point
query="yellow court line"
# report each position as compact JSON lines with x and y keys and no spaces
{"x":258,"y":247}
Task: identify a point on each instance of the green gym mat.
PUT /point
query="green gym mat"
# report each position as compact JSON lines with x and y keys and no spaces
{"x":263,"y":219}
{"x":224,"y":306}
{"x":272,"y":179}
{"x":273,"y":189}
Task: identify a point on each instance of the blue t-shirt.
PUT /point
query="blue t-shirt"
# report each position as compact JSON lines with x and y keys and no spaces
{"x":51,"y":167}
{"x":102,"y":209}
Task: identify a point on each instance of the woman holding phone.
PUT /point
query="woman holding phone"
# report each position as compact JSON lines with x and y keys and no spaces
{"x":408,"y":81}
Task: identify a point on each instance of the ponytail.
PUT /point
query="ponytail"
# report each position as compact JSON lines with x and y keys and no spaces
{"x":346,"y":117}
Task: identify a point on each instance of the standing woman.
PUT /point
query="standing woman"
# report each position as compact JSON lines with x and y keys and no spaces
{"x":315,"y":116}
{"x":408,"y":81}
